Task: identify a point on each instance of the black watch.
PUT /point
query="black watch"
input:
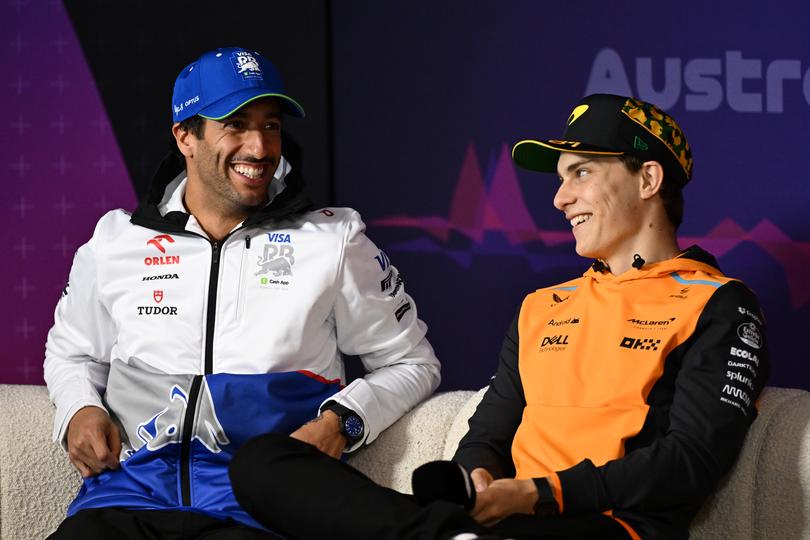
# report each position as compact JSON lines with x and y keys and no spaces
{"x":546,"y":504}
{"x":351,"y":425}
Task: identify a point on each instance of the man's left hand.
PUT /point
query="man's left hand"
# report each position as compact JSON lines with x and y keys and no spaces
{"x":502,"y":498}
{"x":323,"y":432}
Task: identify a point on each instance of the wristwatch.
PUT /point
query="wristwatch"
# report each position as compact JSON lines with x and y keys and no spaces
{"x":351,"y":425}
{"x":546,"y":504}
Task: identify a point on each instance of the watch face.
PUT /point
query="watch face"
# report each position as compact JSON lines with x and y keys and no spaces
{"x":353,"y":426}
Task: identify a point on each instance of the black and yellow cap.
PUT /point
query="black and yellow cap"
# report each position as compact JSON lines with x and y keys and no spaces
{"x":610,"y":125}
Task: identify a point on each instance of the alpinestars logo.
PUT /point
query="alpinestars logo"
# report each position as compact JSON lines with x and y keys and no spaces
{"x":163,"y":428}
{"x":385,"y":284}
{"x":644,"y":344}
{"x":402,"y":310}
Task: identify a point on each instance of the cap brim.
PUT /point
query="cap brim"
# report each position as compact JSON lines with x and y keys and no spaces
{"x":232,"y":103}
{"x":542,"y":156}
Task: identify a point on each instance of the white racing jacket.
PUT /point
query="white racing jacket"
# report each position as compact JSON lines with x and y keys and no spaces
{"x":195,"y":346}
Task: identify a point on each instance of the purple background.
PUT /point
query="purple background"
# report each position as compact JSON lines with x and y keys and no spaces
{"x":428,"y":99}
{"x":62,"y":169}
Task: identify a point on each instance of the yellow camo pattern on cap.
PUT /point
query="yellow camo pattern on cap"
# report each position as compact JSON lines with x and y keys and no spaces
{"x":664,"y":128}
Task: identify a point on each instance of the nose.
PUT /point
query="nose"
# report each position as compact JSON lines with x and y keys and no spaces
{"x":255,"y":144}
{"x":564,"y":196}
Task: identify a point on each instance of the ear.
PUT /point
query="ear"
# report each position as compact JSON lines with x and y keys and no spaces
{"x":184,"y":140}
{"x":651,"y":180}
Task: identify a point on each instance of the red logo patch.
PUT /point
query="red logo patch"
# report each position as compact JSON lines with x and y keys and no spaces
{"x":158,"y":296}
{"x":156,"y":241}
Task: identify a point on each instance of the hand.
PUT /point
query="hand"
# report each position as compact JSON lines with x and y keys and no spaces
{"x":481,"y":479}
{"x":93,"y":441}
{"x":323,"y":432}
{"x":502,"y":498}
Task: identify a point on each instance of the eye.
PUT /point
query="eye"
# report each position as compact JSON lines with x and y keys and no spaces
{"x":234,"y":124}
{"x":272,"y":126}
{"x":581,"y":172}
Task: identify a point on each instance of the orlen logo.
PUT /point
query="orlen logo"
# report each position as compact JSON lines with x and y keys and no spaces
{"x":157,"y":242}
{"x":707,"y":81}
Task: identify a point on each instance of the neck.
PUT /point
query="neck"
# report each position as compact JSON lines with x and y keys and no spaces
{"x":215,"y":216}
{"x":658,"y":244}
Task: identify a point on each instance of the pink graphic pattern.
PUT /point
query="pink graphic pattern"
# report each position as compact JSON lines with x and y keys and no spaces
{"x":476,"y":210}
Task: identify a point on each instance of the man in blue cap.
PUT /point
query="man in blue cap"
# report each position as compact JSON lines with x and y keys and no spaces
{"x":219,"y":310}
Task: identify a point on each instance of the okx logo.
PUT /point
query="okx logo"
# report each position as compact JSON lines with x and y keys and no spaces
{"x":644,"y":344}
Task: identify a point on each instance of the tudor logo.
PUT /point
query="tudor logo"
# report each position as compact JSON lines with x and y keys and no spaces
{"x":158,"y":296}
{"x":749,"y":334}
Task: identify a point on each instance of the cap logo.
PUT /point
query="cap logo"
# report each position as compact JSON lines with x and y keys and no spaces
{"x":246,"y":65}
{"x":639,"y":144}
{"x":664,"y":128}
{"x":578,"y":111}
{"x":572,"y":144}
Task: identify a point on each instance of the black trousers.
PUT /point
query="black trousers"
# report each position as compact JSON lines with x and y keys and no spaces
{"x":291,"y":487}
{"x":122,"y":524}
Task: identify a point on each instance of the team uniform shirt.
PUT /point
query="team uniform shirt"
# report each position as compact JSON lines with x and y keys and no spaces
{"x":631,"y":393}
{"x":196,"y":346}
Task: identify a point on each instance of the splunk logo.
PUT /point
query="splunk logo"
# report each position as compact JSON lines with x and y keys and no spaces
{"x":746,"y":84}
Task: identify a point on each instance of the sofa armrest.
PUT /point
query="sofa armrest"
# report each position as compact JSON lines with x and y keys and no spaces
{"x":37,"y":482}
{"x":767,"y":493}
{"x":416,"y":438}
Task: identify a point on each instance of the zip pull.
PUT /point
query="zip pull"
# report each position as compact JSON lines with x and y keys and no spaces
{"x":215,"y":253}
{"x":247,"y":242}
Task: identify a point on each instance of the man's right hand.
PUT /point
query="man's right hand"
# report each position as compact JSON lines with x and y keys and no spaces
{"x":93,"y":441}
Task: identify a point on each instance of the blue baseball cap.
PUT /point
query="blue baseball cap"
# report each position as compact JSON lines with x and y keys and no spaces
{"x":220,"y":82}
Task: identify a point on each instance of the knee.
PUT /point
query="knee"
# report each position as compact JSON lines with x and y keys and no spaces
{"x":263,"y":455}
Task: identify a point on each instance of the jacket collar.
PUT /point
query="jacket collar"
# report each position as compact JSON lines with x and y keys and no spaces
{"x":156,"y":210}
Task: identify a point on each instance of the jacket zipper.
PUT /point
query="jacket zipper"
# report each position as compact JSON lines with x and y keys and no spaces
{"x":191,"y":406}
{"x":240,"y":292}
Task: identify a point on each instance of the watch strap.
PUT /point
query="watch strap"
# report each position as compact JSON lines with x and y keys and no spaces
{"x":546,"y":504}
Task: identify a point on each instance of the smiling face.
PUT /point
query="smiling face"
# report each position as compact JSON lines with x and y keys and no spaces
{"x":602,"y":201}
{"x":231,"y":166}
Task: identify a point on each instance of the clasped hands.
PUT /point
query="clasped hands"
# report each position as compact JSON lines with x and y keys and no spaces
{"x":498,"y":499}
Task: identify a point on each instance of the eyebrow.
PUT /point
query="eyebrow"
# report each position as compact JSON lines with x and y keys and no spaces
{"x":575,"y":165}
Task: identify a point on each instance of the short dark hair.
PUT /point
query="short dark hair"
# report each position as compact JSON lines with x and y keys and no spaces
{"x":194,"y":125}
{"x":671,"y":193}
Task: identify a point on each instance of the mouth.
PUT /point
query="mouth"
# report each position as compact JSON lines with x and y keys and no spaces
{"x":253,"y":174}
{"x":579,"y":220}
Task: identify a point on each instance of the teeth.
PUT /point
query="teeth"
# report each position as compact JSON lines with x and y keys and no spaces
{"x":250,"y":172}
{"x":582,"y":218}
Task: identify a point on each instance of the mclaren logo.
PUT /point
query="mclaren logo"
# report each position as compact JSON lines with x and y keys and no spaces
{"x":578,"y":111}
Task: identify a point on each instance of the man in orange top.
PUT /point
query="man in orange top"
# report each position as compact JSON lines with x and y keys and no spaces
{"x":621,"y":396}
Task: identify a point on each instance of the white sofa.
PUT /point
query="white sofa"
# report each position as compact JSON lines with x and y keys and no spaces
{"x":767,"y":494}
